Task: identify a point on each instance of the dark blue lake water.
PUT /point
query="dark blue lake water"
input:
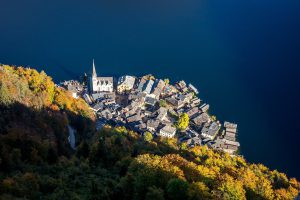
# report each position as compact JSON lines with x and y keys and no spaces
{"x":244,"y":56}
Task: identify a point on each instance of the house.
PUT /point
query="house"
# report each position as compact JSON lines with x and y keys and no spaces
{"x":152,"y":125}
{"x":100,"y":84}
{"x":148,"y":87}
{"x":159,"y":85}
{"x":135,"y":104}
{"x":204,"y":107}
{"x":191,"y":87}
{"x":142,"y":83}
{"x":125,"y":83}
{"x":221,"y":144}
{"x":233,"y":143}
{"x":150,"y":101}
{"x":230,"y":131}
{"x":211,"y":131}
{"x":201,"y":119}
{"x":72,"y":86}
{"x":167,"y":131}
{"x":230,"y":136}
{"x":192,"y":112}
{"x":195,"y":141}
{"x":162,"y":113}
{"x":185,"y":97}
{"x":230,"y":127}
{"x":134,"y":118}
{"x":176,"y":103}
{"x":195,"y":102}
{"x":133,"y":111}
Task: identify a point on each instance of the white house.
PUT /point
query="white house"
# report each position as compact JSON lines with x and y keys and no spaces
{"x":167,"y":131}
{"x":125,"y":83}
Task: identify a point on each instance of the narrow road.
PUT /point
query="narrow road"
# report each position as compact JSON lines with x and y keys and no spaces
{"x":71,"y":137}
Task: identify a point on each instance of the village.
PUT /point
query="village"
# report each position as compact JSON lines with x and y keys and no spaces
{"x":146,"y":104}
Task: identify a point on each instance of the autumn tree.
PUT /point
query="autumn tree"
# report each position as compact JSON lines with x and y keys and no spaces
{"x":148,"y":136}
{"x":183,"y":121}
{"x":199,"y":191}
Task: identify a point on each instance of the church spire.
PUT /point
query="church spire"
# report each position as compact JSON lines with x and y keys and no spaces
{"x":94,"y":74}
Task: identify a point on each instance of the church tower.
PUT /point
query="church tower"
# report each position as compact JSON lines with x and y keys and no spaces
{"x":94,"y":74}
{"x":93,"y":79}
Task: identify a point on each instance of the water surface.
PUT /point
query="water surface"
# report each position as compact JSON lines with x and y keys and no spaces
{"x":244,"y":56}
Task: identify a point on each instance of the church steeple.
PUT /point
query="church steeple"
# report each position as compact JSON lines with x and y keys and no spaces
{"x":94,"y":74}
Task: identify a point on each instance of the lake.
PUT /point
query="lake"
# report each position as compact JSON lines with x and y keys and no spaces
{"x":243,"y":56}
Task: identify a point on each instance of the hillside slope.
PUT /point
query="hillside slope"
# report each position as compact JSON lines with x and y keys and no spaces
{"x":37,"y":162}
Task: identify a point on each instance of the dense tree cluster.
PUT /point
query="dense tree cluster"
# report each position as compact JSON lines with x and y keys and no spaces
{"x":34,"y":115}
{"x":113,"y":163}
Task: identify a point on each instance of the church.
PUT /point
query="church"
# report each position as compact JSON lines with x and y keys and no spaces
{"x":100,"y":84}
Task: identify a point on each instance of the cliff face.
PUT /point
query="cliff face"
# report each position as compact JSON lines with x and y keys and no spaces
{"x":36,"y":160}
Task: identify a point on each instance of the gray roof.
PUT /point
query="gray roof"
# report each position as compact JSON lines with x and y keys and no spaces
{"x":230,"y":125}
{"x":193,"y":88}
{"x":204,"y":107}
{"x":152,"y":124}
{"x":193,"y":111}
{"x":168,"y":129}
{"x":162,"y":112}
{"x":105,"y":80}
{"x":158,"y":87}
{"x":150,"y":101}
{"x":148,"y":86}
{"x":127,"y":80}
{"x":134,"y":118}
{"x":212,"y":130}
{"x":141,"y":84}
{"x":203,"y":118}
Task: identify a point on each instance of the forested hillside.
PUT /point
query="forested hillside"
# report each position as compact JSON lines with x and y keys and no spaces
{"x":36,"y":161}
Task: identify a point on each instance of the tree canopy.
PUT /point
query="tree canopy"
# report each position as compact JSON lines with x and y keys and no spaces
{"x":148,"y":136}
{"x":183,"y":121}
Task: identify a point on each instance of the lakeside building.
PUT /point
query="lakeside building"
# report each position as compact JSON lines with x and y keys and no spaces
{"x":148,"y":86}
{"x":100,"y":84}
{"x":125,"y":83}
